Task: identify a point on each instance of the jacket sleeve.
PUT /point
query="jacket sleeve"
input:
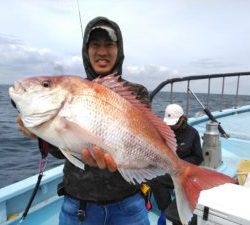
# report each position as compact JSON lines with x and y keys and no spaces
{"x":141,"y":93}
{"x":198,"y":157}
{"x":191,"y":151}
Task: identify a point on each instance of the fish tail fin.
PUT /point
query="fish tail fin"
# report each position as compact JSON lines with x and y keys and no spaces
{"x":188,"y":185}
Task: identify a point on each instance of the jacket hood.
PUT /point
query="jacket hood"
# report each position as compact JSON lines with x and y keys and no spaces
{"x":91,"y":74}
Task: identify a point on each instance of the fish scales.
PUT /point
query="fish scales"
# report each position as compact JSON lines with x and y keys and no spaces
{"x":128,"y":146}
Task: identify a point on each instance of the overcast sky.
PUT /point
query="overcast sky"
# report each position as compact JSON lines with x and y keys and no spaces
{"x":162,"y":38}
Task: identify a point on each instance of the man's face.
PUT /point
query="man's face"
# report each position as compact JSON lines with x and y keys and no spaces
{"x":102,"y":55}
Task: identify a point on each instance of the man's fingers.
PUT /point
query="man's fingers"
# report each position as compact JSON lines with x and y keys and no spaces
{"x":110,"y":163}
{"x":18,"y":119}
{"x":87,"y":158}
{"x":99,"y":157}
{"x":24,"y":130}
{"x":28,"y":133}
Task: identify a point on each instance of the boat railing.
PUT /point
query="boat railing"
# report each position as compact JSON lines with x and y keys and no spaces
{"x":190,"y":79}
{"x":13,"y":198}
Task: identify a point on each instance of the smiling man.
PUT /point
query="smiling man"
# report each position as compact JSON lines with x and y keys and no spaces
{"x":102,"y":49}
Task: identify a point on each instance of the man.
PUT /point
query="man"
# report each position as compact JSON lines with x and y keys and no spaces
{"x":187,"y":137}
{"x":188,"y":149}
{"x":99,"y":195}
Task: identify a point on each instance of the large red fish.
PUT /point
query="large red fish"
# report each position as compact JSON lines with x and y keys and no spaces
{"x":72,"y":113}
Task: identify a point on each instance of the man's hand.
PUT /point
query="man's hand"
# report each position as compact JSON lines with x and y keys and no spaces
{"x":23,"y":129}
{"x":99,"y":159}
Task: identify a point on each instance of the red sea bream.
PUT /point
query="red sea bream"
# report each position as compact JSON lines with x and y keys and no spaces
{"x":72,"y":113}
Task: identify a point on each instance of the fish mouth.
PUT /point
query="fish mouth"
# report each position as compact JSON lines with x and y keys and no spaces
{"x":13,"y":103}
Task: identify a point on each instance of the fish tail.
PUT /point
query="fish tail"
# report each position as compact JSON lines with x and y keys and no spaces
{"x":190,"y":182}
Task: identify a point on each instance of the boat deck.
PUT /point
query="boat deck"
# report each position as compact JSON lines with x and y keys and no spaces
{"x":236,"y":148}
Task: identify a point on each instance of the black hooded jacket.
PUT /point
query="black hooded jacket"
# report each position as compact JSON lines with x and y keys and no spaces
{"x":94,"y":184}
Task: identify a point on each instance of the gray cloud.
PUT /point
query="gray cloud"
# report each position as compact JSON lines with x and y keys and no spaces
{"x":210,"y":63}
{"x":8,"y":39}
{"x":19,"y":60}
{"x":148,"y":75}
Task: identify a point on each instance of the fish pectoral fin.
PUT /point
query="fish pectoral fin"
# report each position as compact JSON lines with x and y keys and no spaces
{"x":141,"y":175}
{"x":73,"y":157}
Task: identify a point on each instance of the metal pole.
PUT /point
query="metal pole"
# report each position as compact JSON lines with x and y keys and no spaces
{"x":171,"y":93}
{"x":208,"y":91}
{"x":237,"y":92}
{"x":222,"y":93}
{"x":210,"y":116}
{"x":187,"y":106}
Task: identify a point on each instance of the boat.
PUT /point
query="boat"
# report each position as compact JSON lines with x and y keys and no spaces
{"x":225,"y":158}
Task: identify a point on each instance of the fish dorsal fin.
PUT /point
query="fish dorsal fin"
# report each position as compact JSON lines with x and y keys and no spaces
{"x":116,"y":84}
{"x":113,"y":82}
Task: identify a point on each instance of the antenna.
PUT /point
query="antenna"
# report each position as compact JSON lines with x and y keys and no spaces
{"x":80,"y":17}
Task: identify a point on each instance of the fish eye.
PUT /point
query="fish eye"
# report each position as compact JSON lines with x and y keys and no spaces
{"x":46,"y":83}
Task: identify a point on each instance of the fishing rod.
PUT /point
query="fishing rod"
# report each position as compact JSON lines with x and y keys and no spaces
{"x":210,"y":115}
{"x":80,"y":17}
